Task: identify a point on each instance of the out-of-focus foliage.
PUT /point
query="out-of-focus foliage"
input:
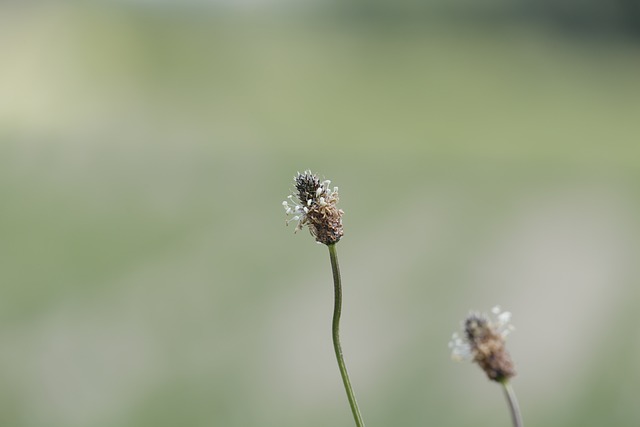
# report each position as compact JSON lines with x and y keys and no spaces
{"x":586,"y":18}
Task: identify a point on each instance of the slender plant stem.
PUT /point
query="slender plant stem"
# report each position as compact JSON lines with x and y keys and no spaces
{"x":516,"y":417}
{"x":337,"y":308}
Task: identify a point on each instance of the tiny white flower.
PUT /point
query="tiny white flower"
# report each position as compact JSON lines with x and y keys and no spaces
{"x":460,"y":349}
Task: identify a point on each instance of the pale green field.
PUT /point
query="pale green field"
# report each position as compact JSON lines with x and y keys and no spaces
{"x":146,"y":274}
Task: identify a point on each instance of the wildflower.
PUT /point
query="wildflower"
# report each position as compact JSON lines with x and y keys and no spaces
{"x":483,"y":342}
{"x":314,"y":205}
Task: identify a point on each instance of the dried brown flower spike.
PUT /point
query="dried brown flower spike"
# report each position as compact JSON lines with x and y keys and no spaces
{"x":314,"y":204}
{"x":484,"y":343}
{"x":315,"y":207}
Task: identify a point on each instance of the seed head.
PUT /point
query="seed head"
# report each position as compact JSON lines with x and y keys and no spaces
{"x":314,"y":205}
{"x":483,"y":342}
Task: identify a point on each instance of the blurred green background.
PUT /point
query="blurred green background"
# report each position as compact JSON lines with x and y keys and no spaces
{"x":486,"y":152}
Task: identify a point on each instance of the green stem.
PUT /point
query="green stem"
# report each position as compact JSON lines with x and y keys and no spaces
{"x":516,"y":417}
{"x":337,"y":308}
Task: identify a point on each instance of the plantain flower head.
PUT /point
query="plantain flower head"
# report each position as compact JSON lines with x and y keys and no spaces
{"x":483,"y":341}
{"x":314,"y":205}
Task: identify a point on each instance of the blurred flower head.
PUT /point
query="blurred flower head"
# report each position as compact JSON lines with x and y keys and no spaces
{"x":483,"y":341}
{"x":314,"y":205}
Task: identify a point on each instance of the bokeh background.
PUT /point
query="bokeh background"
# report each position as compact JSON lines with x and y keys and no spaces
{"x":487,"y":152}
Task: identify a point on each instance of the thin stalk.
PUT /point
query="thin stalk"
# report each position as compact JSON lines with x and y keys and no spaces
{"x":337,"y":309}
{"x":516,"y":417}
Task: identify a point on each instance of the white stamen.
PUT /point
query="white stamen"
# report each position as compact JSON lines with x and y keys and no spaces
{"x":505,"y":317}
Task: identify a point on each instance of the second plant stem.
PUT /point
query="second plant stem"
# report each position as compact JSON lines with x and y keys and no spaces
{"x":513,"y":404}
{"x":337,"y":309}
